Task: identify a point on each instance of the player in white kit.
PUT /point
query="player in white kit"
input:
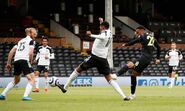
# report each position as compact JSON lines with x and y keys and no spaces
{"x":44,"y":54}
{"x":173,"y":55}
{"x":22,"y":63}
{"x":97,"y":59}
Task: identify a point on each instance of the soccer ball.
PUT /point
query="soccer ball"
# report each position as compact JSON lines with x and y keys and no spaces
{"x":53,"y":81}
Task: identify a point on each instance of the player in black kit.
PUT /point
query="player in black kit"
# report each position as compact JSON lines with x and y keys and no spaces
{"x":149,"y":43}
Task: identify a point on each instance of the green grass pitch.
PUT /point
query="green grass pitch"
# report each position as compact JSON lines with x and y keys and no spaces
{"x":97,"y":99}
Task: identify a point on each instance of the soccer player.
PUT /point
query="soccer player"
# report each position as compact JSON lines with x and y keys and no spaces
{"x":149,"y":43}
{"x":22,"y":63}
{"x":44,"y":54}
{"x":173,"y":55}
{"x":97,"y":59}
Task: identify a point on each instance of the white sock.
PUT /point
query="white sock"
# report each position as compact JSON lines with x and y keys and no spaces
{"x":172,"y":81}
{"x":8,"y":88}
{"x":72,"y":77}
{"x":37,"y":82}
{"x":46,"y":82}
{"x":28,"y":89}
{"x":117,"y":88}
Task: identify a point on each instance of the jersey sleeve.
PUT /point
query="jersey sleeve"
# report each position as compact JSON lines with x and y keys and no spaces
{"x":180,"y":55}
{"x":167,"y":53}
{"x":15,"y":46}
{"x":103,"y":35}
{"x":38,"y":54}
{"x":32,"y":43}
{"x":132,"y":42}
{"x":52,"y":55}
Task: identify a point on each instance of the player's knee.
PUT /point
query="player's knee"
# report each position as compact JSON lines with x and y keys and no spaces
{"x":135,"y":73}
{"x":79,"y":69}
{"x":130,"y":64}
{"x":31,"y":78}
{"x":46,"y":74}
{"x":17,"y":80}
{"x":108,"y":77}
{"x":36,"y":73}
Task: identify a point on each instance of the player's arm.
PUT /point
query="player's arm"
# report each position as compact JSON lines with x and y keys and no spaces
{"x":180,"y":55}
{"x":100,"y":36}
{"x":31,"y":51}
{"x":52,"y":54}
{"x":101,"y":20}
{"x":156,"y":44}
{"x":10,"y":56}
{"x":132,"y":42}
{"x":37,"y":57}
{"x":167,"y":56}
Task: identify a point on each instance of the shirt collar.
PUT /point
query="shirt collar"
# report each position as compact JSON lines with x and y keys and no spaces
{"x":45,"y":46}
{"x":28,"y":37}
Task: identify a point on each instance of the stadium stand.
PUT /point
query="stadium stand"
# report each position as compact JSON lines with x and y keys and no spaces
{"x":66,"y":59}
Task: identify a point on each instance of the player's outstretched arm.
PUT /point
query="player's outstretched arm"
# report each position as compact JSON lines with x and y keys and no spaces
{"x":100,"y":36}
{"x":132,"y":42}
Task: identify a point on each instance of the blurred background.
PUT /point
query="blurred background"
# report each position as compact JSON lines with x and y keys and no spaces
{"x":66,"y":21}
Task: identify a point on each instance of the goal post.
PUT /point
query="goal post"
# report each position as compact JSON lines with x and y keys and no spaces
{"x":108,"y":18}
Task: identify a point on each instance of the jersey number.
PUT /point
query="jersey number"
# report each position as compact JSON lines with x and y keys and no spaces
{"x":22,"y":46}
{"x":151,"y":41}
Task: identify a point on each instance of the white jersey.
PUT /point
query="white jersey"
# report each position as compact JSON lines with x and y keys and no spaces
{"x":101,"y":44}
{"x":43,"y":52}
{"x":22,"y":48}
{"x":175,"y":56}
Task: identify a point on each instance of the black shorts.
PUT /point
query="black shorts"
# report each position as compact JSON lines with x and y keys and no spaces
{"x":141,"y":64}
{"x":172,"y":69}
{"x":101,"y":64}
{"x":22,"y":66}
{"x":42,"y":68}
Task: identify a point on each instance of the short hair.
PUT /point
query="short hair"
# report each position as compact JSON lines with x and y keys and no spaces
{"x":31,"y":28}
{"x":105,"y":24}
{"x":44,"y":37}
{"x":27,"y":31}
{"x":140,"y":27}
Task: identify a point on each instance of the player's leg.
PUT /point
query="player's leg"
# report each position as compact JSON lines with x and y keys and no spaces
{"x":10,"y":86}
{"x":31,"y":81}
{"x":88,"y":63}
{"x":37,"y":73}
{"x":139,"y":66}
{"x":29,"y":72}
{"x":172,"y":72}
{"x":170,"y":76}
{"x":72,"y":77}
{"x":125,"y":68}
{"x":17,"y":72}
{"x":46,"y":80}
{"x":115,"y":85}
{"x":104,"y":68}
{"x":133,"y":82}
